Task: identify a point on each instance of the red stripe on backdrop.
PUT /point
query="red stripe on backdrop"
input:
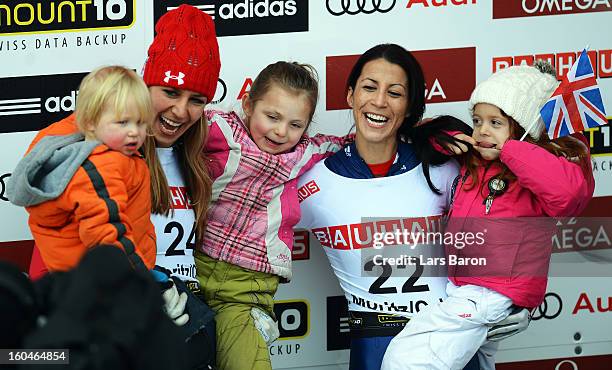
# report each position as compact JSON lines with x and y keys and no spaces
{"x":571,"y":363}
{"x":598,"y":207}
{"x":517,"y":8}
{"x":588,"y":231}
{"x":450,"y":75}
{"x":18,"y":252}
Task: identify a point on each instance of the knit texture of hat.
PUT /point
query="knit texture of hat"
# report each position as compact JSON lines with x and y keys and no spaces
{"x":520,"y":91}
{"x":184,"y":53}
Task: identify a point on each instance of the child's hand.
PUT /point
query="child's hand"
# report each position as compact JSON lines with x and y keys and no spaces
{"x":461,"y":148}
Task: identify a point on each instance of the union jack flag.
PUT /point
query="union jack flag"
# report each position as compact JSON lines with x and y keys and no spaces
{"x":576,"y":105}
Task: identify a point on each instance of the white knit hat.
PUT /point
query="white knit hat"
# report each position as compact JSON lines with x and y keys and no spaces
{"x":520,"y":91}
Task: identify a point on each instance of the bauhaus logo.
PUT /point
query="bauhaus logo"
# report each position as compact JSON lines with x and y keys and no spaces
{"x":534,"y":8}
{"x":247,"y":17}
{"x":601,"y":60}
{"x":301,"y":245}
{"x":34,"y":102}
{"x":307,"y":190}
{"x":450,"y":75}
{"x":40,"y":16}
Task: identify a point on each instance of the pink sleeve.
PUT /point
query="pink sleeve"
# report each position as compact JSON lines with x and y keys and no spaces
{"x":560,"y":186}
{"x":215,"y":137}
{"x":322,"y":146}
{"x":217,"y":148}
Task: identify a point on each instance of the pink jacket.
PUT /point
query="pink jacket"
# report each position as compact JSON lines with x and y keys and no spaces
{"x":254,"y":203}
{"x":517,"y":241}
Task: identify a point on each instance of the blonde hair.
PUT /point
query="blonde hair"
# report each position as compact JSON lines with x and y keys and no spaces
{"x":114,"y":85}
{"x":192,"y":163}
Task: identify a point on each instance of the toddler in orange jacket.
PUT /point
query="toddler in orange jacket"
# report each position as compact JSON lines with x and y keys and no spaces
{"x":83,"y":180}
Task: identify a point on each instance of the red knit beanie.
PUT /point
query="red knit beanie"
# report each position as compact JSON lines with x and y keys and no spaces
{"x":184,"y":53}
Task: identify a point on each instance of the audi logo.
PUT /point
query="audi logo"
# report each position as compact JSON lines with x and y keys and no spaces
{"x":218,"y":99}
{"x":3,"y":186}
{"x":352,"y":7}
{"x":549,"y":309}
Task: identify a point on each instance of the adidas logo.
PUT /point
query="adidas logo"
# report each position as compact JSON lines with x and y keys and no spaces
{"x":247,"y":17}
{"x":208,"y":9}
{"x":258,"y":9}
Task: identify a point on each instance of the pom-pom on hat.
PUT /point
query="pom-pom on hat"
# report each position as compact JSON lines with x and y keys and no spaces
{"x":184,"y":53}
{"x":520,"y":91}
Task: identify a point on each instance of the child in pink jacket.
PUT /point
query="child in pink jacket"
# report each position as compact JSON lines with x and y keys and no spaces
{"x":506,"y":195}
{"x":254,"y":164}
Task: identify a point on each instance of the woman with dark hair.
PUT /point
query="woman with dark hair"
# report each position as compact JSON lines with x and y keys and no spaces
{"x":389,"y":180}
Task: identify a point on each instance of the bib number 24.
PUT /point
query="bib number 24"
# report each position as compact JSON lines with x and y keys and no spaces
{"x":173,"y":249}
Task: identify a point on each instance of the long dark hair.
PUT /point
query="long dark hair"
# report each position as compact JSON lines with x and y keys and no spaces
{"x":436,"y":130}
{"x":396,"y":54}
{"x":419,"y":135}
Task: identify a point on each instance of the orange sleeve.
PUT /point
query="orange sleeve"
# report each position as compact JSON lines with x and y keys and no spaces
{"x":100,"y":196}
{"x":66,"y":126}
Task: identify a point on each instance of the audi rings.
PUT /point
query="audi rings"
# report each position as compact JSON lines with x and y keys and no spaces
{"x":352,"y":7}
{"x":221,"y":90}
{"x":3,"y":186}
{"x":549,"y":309}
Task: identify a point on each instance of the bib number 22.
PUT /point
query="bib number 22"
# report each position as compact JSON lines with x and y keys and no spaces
{"x":409,"y":285}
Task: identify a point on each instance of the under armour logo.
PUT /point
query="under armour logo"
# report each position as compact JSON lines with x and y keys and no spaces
{"x":179,"y":78}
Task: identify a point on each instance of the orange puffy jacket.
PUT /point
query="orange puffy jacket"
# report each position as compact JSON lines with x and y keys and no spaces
{"x":109,"y":203}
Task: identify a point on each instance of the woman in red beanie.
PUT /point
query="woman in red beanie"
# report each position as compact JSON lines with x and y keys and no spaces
{"x":181,"y":71}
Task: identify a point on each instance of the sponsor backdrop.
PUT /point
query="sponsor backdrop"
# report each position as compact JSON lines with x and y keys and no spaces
{"x":46,"y":47}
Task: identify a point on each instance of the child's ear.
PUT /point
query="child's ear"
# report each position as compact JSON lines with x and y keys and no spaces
{"x":247,"y":106}
{"x":90,"y":127}
{"x":349,"y":97}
